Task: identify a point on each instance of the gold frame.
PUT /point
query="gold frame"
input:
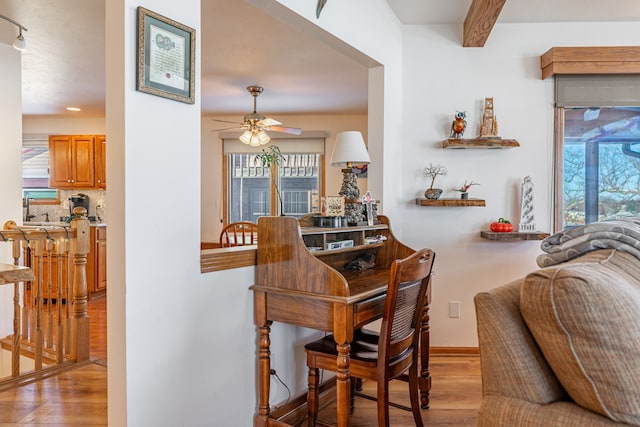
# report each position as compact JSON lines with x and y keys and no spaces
{"x":166,"y":64}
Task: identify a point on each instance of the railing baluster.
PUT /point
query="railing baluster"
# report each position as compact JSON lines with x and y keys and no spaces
{"x":49,"y":300}
{"x":59,"y":329}
{"x":15,"y":351}
{"x":39,"y":335}
{"x":25,"y":300}
{"x":67,"y":260}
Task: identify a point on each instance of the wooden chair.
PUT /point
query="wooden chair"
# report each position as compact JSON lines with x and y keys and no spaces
{"x":389,"y":354}
{"x":240,"y":233}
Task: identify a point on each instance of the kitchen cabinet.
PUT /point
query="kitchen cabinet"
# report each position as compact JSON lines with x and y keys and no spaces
{"x":101,"y":161}
{"x":97,"y":261}
{"x":71,"y":161}
{"x":77,"y":161}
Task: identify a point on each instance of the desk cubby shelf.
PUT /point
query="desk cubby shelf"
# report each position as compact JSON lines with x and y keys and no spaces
{"x":318,"y":237}
{"x":450,"y":202}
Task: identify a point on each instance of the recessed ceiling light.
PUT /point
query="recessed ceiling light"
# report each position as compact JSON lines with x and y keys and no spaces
{"x":73,"y":109}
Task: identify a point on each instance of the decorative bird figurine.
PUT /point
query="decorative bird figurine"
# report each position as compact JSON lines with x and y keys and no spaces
{"x":459,"y":124}
{"x":319,"y":7}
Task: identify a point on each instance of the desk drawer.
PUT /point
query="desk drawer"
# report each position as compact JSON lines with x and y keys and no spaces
{"x":368,"y":310}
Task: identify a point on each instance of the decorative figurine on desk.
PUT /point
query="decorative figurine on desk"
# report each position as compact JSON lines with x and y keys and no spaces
{"x":489,"y":124}
{"x":527,"y":219}
{"x":459,"y":125}
{"x":368,"y":202}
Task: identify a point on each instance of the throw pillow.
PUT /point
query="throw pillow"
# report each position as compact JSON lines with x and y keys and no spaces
{"x":585,"y":316}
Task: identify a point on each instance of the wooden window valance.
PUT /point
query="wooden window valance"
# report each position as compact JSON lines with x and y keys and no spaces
{"x":590,"y":60}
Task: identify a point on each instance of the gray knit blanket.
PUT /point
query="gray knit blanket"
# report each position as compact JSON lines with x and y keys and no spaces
{"x":621,"y":234}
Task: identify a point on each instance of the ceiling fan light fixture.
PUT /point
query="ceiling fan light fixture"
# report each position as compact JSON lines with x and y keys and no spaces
{"x":245,"y":138}
{"x":255,"y":137}
{"x":263,"y":137}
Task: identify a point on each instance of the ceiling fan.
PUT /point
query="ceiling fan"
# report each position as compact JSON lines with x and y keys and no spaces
{"x":256,"y":124}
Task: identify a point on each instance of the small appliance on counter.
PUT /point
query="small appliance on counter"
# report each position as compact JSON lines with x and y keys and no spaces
{"x":78,"y":200}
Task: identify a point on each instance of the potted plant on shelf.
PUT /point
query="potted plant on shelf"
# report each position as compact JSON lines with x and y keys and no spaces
{"x":432,"y":171}
{"x":268,"y":158}
{"x":464,"y":190}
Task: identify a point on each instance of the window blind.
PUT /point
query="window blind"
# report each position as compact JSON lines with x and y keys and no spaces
{"x":597,"y":90}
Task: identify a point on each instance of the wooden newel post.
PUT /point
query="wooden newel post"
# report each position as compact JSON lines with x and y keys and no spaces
{"x":80,"y":321}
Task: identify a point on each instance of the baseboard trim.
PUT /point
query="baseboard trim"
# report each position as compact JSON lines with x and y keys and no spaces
{"x":295,"y":411}
{"x":454,"y":351}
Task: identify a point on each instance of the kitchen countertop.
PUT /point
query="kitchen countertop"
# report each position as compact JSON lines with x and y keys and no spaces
{"x":58,"y":224}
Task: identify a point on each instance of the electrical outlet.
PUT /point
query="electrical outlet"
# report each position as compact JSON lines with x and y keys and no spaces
{"x":454,"y":309}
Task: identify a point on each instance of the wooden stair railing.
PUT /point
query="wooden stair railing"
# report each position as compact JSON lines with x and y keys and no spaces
{"x":50,"y":320}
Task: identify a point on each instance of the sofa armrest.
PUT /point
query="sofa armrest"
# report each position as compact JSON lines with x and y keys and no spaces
{"x":511,"y":363}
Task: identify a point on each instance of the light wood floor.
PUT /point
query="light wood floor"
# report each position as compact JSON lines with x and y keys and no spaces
{"x":455,"y":397}
{"x":79,"y":397}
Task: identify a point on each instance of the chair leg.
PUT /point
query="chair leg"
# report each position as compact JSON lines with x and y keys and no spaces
{"x":312,"y":397}
{"x":414,"y":394}
{"x":383,"y":403}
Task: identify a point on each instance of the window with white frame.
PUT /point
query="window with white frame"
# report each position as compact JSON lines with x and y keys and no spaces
{"x":597,"y":149}
{"x":250,"y":191}
{"x":35,"y":170}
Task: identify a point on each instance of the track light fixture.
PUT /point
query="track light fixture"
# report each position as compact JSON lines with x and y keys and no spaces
{"x":19,"y":43}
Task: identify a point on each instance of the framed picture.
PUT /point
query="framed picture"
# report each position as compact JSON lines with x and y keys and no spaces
{"x":334,"y":206}
{"x":166,"y":57}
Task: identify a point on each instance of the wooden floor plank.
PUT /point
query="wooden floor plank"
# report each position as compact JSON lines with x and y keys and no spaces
{"x":78,"y":398}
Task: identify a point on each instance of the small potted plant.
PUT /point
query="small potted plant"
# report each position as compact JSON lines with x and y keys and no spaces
{"x":464,"y":190}
{"x":432,"y":171}
{"x":268,"y":158}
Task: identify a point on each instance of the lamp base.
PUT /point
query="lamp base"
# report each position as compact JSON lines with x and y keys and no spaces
{"x":351,"y":192}
{"x":353,"y":212}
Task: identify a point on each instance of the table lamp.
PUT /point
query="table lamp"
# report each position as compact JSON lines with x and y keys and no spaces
{"x":348,"y":150}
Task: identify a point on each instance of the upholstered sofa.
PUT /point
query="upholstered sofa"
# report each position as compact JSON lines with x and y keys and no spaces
{"x":561,"y":346}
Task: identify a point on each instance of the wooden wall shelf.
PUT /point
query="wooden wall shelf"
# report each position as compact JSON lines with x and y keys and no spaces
{"x":504,"y":237}
{"x":450,"y":202}
{"x":495,"y":143}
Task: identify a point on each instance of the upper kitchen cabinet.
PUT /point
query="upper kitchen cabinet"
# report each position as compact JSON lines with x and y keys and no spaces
{"x":72,"y":161}
{"x":101,"y":161}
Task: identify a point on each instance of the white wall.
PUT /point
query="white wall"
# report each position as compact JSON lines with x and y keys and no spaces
{"x":10,"y":164}
{"x":212,"y":179}
{"x":441,"y":77}
{"x":62,"y":125}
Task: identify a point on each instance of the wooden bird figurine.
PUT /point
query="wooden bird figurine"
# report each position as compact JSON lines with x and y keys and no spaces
{"x":319,"y":7}
{"x":459,"y":124}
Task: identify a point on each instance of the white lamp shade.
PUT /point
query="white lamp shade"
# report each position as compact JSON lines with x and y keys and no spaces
{"x":349,"y":149}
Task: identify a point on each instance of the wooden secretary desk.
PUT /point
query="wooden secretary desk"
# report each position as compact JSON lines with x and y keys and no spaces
{"x":301,"y":282}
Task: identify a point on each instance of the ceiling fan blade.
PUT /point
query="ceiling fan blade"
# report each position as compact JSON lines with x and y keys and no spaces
{"x":284,"y":129}
{"x":268,"y":121}
{"x":227,"y":121}
{"x":231,"y":128}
